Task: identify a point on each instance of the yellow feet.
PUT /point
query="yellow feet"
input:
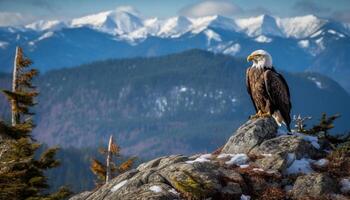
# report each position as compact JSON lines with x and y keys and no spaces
{"x":268,"y":114}
{"x":260,"y":114}
{"x":257,"y":115}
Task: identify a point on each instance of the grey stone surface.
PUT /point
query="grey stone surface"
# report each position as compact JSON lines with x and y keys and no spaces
{"x":287,"y":144}
{"x":313,"y":185}
{"x":180,"y":177}
{"x":250,"y":135}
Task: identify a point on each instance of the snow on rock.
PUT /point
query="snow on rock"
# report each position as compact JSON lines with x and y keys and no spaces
{"x":3,"y":45}
{"x":156,"y":189}
{"x":345,"y":185}
{"x":312,"y":139}
{"x":263,"y":39}
{"x":238,"y":159}
{"x":118,"y":186}
{"x":202,"y":158}
{"x":228,"y":48}
{"x":45,"y":36}
{"x":263,"y":24}
{"x":119,"y":21}
{"x":43,"y":25}
{"x":175,"y":27}
{"x":316,"y":81}
{"x":321,"y":162}
{"x":245,"y":197}
{"x":304,"y":43}
{"x":232,"y":50}
{"x":211,"y":35}
{"x":300,"y":27}
{"x":300,"y":166}
{"x":172,"y":190}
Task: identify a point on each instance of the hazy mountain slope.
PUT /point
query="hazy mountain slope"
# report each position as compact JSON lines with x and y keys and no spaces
{"x":296,"y":44}
{"x":180,"y":103}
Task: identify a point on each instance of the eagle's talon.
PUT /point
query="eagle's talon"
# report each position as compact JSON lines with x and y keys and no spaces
{"x":256,"y":116}
{"x":268,"y":114}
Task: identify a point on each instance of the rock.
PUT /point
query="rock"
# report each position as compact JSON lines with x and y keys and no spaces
{"x":275,"y":151}
{"x":250,"y":135}
{"x":167,"y":178}
{"x":83,"y":195}
{"x":212,"y":176}
{"x":276,"y":161}
{"x":287,"y":144}
{"x":313,"y":185}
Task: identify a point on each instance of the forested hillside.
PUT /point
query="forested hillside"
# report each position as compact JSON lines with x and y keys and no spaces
{"x":182,"y":103}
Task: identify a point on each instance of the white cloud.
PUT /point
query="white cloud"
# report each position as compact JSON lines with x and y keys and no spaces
{"x":211,"y":7}
{"x":13,"y":18}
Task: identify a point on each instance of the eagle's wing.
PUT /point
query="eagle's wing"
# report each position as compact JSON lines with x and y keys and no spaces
{"x":278,"y":91}
{"x":248,"y":88}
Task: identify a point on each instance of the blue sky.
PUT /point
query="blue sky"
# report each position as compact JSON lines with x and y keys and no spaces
{"x":14,"y":12}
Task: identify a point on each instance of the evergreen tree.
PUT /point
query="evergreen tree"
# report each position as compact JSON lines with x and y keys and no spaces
{"x":105,"y":173}
{"x":21,"y":173}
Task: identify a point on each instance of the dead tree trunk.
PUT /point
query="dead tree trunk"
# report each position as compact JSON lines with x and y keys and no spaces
{"x":15,"y":119}
{"x":109,"y":159}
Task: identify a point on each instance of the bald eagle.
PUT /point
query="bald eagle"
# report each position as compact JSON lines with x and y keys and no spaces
{"x":268,"y":89}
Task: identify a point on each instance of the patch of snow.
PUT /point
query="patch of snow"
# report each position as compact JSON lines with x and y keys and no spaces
{"x":201,"y":159}
{"x":301,"y":26}
{"x":183,"y":89}
{"x":43,"y":25}
{"x":245,"y":197}
{"x":317,"y":82}
{"x":320,"y":43}
{"x":316,"y":34}
{"x":312,"y":139}
{"x":321,"y":162}
{"x":3,"y":44}
{"x":300,"y":166}
{"x":211,"y":35}
{"x":232,"y":50}
{"x":304,"y":43}
{"x":243,"y":166}
{"x":238,"y":159}
{"x":172,"y":190}
{"x":266,"y":154}
{"x":229,"y":48}
{"x":345,"y":185}
{"x":174,"y":27}
{"x":156,"y":189}
{"x":263,"y":39}
{"x":263,"y":24}
{"x":118,"y":186}
{"x":45,"y":36}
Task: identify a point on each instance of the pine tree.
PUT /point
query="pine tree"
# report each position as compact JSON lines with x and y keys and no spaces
{"x":21,"y":173}
{"x":105,"y":173}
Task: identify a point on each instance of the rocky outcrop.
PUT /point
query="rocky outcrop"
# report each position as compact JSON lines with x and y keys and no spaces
{"x":250,"y":135}
{"x":255,"y":163}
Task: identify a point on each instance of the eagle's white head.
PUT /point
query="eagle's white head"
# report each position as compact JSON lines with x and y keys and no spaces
{"x":260,"y":58}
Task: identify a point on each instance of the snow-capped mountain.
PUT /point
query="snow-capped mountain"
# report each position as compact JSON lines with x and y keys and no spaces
{"x":296,"y":43}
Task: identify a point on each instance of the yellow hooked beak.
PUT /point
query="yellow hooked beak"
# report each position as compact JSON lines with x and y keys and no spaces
{"x":250,"y":58}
